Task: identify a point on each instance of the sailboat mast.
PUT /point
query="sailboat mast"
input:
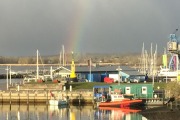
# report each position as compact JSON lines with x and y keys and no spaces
{"x":63,"y":54}
{"x":37,"y":68}
{"x":151,"y":62}
{"x":60,"y":59}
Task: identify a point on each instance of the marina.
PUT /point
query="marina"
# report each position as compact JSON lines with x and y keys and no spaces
{"x":124,"y":87}
{"x":40,"y":93}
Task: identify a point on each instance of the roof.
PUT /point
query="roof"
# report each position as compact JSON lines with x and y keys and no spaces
{"x":135,"y":72}
{"x":104,"y":86}
{"x":108,"y":68}
{"x":101,"y":68}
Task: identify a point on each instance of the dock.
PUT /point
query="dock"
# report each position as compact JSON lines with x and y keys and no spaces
{"x":40,"y":93}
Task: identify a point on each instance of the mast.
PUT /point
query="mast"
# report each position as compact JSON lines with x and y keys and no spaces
{"x":151,"y":62}
{"x":142,"y":60}
{"x":63,"y":54}
{"x":37,"y":68}
{"x":60,"y":58}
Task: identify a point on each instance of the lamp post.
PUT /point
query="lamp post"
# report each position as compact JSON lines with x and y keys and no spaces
{"x":7,"y":78}
{"x":158,"y":90}
{"x":119,"y":75}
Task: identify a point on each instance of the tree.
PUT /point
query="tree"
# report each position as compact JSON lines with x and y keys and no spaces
{"x":173,"y":88}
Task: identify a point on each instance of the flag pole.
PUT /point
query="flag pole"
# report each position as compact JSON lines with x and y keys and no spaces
{"x":90,"y":69}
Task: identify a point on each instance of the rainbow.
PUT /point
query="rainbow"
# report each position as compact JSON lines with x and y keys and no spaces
{"x":77,"y":27}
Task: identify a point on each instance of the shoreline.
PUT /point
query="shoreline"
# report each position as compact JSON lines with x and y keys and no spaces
{"x":162,"y":113}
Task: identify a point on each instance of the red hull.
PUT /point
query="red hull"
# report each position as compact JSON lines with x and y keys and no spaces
{"x":124,"y":103}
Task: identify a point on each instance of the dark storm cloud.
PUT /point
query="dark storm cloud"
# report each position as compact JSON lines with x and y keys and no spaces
{"x":109,"y":26}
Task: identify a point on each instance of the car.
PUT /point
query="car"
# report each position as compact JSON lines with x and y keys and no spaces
{"x":137,"y":79}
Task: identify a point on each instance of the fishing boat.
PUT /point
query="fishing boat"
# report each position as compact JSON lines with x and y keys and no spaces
{"x":118,"y":100}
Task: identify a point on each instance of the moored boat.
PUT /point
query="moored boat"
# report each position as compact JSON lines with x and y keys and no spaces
{"x":118,"y":100}
{"x":57,"y":102}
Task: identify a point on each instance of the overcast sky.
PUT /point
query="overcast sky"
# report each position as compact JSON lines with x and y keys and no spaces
{"x":85,"y":26}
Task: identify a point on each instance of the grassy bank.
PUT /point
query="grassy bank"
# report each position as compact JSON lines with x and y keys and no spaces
{"x":89,"y":85}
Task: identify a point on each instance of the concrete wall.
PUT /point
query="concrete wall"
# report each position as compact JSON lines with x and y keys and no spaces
{"x":43,"y":96}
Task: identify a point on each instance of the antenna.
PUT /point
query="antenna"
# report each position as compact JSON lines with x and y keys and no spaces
{"x":176,"y":30}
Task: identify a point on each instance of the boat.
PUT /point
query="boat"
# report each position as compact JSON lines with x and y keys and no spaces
{"x":56,"y":102}
{"x":118,"y":100}
{"x":166,"y":72}
{"x":29,"y":78}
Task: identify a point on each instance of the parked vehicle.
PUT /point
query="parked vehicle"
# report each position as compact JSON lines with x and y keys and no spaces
{"x":137,"y":79}
{"x":108,"y":80}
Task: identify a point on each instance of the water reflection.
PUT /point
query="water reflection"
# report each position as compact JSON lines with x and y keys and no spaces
{"x":43,"y":112}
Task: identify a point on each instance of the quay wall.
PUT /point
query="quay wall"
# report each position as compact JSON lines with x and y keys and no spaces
{"x":43,"y":96}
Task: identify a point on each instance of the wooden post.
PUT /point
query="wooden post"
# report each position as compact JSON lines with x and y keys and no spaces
{"x":27,"y":96}
{"x":171,"y":106}
{"x":35,"y":97}
{"x":1,"y":98}
{"x":46,"y":96}
{"x":79,"y":98}
{"x":19,"y":97}
{"x":10,"y":98}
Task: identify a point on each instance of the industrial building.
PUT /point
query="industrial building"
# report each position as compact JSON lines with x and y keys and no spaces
{"x":98,"y":73}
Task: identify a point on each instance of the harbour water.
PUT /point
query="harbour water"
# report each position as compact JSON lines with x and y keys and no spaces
{"x":43,"y":112}
{"x":3,"y":83}
{"x":47,"y":112}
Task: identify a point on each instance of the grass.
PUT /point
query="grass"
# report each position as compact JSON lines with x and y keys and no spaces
{"x":85,"y":85}
{"x":161,"y":85}
{"x":89,"y":85}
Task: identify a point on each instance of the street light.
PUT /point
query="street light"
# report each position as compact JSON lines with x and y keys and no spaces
{"x":119,"y":75}
{"x":158,"y":90}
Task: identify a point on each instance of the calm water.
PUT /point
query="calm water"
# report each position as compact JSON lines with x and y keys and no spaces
{"x":3,"y":83}
{"x":43,"y":112}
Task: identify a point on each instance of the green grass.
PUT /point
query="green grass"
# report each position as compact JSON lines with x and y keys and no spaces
{"x":85,"y":85}
{"x":161,"y":85}
{"x":89,"y":85}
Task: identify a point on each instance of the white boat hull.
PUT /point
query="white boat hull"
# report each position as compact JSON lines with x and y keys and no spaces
{"x":168,"y":74}
{"x":165,"y":72}
{"x":57,"y":102}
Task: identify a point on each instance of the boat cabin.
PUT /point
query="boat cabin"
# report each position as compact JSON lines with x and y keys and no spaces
{"x":117,"y":97}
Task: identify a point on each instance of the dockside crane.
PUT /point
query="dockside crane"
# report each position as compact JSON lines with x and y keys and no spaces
{"x":173,"y":47}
